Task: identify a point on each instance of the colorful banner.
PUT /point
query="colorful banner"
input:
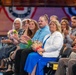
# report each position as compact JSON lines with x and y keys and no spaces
{"x":8,"y":14}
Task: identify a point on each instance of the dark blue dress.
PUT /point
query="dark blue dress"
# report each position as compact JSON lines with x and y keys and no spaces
{"x":34,"y":59}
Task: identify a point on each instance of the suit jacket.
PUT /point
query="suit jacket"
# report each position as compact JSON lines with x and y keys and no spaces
{"x":53,"y":44}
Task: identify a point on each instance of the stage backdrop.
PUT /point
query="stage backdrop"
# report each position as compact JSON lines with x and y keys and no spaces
{"x":8,"y":14}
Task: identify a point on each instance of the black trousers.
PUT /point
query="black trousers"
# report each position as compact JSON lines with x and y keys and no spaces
{"x":20,"y":60}
{"x":17,"y":62}
{"x":74,"y":69}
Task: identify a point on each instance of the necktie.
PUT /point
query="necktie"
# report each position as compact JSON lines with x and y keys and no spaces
{"x":45,"y":42}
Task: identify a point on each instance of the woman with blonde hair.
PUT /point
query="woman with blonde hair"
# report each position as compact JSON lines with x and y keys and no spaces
{"x":65,"y":27}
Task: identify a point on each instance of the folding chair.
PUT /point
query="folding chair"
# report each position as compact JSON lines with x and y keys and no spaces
{"x":51,"y":67}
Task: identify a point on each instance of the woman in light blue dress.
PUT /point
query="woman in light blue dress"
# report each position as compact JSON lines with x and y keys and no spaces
{"x":50,"y":50}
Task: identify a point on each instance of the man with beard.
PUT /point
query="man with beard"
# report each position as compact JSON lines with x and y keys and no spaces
{"x":65,"y":63}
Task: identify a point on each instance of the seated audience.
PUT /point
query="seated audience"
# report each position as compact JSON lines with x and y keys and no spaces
{"x":68,"y":62}
{"x":21,"y":55}
{"x":52,"y":45}
{"x":30,"y":32}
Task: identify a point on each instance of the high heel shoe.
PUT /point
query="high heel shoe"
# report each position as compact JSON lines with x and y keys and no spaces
{"x":9,"y":70}
{"x":6,"y":61}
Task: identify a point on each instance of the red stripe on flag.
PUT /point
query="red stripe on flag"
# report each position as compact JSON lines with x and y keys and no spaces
{"x":0,"y":8}
{"x":20,"y":8}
